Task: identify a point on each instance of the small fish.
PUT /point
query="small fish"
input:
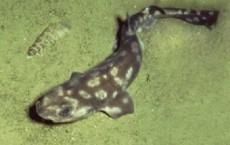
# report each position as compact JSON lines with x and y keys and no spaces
{"x":103,"y":87}
{"x":50,"y":35}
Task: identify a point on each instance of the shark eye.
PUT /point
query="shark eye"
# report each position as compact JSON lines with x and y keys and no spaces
{"x":66,"y":111}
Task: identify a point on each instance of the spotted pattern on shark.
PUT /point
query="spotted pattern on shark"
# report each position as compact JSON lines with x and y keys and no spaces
{"x":103,"y":88}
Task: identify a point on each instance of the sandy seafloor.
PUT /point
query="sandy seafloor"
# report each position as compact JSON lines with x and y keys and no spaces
{"x":181,"y":94}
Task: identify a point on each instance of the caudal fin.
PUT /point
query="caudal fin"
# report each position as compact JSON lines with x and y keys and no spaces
{"x":196,"y":17}
{"x":144,"y":20}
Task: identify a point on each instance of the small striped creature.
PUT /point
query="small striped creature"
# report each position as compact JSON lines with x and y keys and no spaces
{"x":50,"y":35}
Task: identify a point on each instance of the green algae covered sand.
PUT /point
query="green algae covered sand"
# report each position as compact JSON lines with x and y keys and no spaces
{"x":181,"y":95}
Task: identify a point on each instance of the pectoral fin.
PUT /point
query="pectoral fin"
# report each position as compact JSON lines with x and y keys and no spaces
{"x":75,"y":78}
{"x":75,"y":75}
{"x":119,"y":106}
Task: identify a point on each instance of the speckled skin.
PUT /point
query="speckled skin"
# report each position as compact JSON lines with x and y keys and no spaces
{"x":103,"y":88}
